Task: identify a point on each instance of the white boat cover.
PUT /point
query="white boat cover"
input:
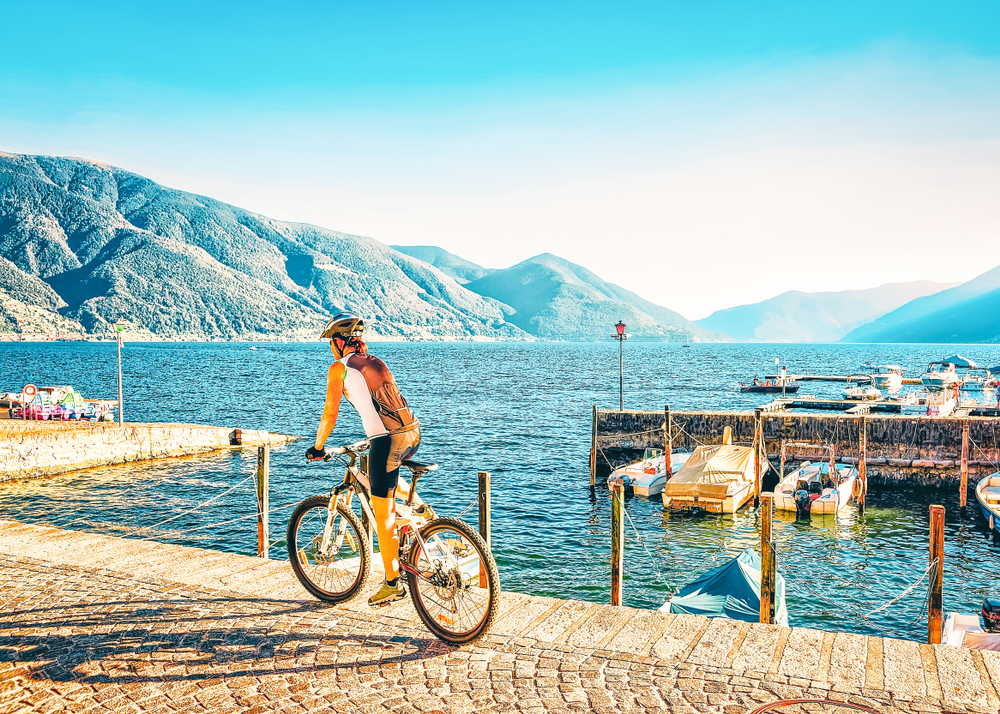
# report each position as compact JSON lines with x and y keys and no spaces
{"x":713,"y":472}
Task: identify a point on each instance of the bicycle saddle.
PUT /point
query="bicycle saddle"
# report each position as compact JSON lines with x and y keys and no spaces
{"x":418,"y":468}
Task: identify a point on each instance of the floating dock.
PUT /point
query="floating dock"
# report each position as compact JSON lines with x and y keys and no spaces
{"x":96,"y":623}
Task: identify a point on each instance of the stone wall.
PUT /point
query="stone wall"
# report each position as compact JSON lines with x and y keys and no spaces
{"x":33,"y":449}
{"x":924,"y":451}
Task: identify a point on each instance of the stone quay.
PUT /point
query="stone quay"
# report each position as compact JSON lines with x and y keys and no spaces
{"x":93,"y":623}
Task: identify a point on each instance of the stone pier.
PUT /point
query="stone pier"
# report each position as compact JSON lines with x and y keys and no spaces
{"x":29,"y":449}
{"x":922,"y":451}
{"x":92,"y":623}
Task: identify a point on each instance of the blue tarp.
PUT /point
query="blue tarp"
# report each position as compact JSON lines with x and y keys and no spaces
{"x":732,"y":590}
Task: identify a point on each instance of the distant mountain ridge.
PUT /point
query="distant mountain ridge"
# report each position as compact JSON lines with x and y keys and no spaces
{"x":796,"y":316}
{"x":556,"y":299}
{"x":969,"y":312}
{"x":83,"y":244}
{"x":462,"y":270}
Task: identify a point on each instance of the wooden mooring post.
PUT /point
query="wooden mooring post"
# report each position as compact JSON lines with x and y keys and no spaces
{"x":484,"y":517}
{"x":768,"y":560}
{"x":617,"y":541}
{"x":758,"y":445}
{"x":668,"y":442}
{"x":593,"y":451}
{"x":935,"y":594}
{"x":963,"y":493}
{"x":263,"y":472}
{"x":863,"y":464}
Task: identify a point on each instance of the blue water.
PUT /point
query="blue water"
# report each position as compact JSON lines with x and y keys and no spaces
{"x":521,"y":412}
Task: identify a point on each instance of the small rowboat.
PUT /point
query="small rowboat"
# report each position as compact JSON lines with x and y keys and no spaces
{"x":988,"y":495}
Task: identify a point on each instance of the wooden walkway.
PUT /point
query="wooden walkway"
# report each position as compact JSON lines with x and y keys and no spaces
{"x":90,"y":622}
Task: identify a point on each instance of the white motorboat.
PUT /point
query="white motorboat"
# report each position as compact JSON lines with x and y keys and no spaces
{"x":940,"y":375}
{"x":929,"y":403}
{"x":988,"y":496}
{"x":647,"y":476}
{"x":862,"y":393}
{"x":965,"y":631}
{"x":979,"y":379}
{"x":886,"y":376}
{"x":827,"y":487}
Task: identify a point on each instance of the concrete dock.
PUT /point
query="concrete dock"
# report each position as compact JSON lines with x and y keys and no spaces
{"x":94,"y":623}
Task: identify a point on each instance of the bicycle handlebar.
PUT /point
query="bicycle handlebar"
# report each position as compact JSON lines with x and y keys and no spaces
{"x":352,"y":448}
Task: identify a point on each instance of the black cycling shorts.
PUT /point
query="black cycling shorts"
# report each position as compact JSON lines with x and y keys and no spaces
{"x":390,"y":450}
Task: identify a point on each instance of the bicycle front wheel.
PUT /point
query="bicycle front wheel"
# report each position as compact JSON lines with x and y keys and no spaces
{"x":329,"y":550}
{"x":457,"y":591}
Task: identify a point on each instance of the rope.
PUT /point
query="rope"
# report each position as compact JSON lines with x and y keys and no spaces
{"x":672,"y":589}
{"x":932,"y":566}
{"x":192,"y":510}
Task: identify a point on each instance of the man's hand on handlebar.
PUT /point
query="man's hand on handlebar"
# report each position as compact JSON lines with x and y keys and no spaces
{"x":314,"y":454}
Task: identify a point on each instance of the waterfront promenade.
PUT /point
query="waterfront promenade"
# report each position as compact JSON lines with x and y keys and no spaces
{"x":90,"y":622}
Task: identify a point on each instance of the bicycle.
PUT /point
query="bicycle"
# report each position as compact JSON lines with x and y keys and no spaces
{"x":452,"y":577}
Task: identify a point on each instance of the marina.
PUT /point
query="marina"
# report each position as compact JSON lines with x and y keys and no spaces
{"x":539,"y":459}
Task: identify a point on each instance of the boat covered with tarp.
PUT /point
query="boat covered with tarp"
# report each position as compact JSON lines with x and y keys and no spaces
{"x":731,"y":590}
{"x":717,"y":479}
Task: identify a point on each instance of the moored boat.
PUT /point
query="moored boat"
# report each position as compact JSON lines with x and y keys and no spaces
{"x":863,"y":394}
{"x":647,"y":476}
{"x":988,"y":495}
{"x":731,"y":590}
{"x":769,"y":388}
{"x":939,"y":375}
{"x":885,"y":376}
{"x":716,"y":479}
{"x":816,"y":488}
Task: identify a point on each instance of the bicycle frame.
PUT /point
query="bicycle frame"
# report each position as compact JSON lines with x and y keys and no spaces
{"x":355,"y":481}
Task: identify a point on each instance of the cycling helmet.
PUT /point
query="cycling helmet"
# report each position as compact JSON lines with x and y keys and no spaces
{"x":344,"y":324}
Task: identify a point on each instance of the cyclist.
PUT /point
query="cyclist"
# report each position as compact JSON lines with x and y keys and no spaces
{"x":390,"y":425}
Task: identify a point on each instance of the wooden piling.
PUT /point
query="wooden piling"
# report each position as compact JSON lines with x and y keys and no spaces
{"x":485,"y":529}
{"x":934,"y":600}
{"x":263,"y":472}
{"x":617,"y":541}
{"x":963,"y":492}
{"x":768,"y":561}
{"x":727,"y":434}
{"x":593,"y":450}
{"x":758,"y":444}
{"x":863,"y":463}
{"x":668,"y":444}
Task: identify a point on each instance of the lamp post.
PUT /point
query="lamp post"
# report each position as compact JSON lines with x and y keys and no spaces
{"x":621,"y":337}
{"x":119,"y":326}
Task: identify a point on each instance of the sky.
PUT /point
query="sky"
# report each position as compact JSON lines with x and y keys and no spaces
{"x":702,"y":155}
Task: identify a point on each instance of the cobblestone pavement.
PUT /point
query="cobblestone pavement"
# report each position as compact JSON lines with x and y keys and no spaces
{"x":77,"y":635}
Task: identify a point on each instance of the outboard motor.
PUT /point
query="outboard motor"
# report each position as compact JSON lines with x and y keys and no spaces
{"x":803,"y":504}
{"x":991,"y":615}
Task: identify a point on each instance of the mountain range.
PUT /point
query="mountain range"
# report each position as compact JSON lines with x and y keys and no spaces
{"x":969,"y":312}
{"x":796,"y":316}
{"x":85,"y":244}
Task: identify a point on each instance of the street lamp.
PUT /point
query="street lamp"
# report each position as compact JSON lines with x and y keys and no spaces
{"x":621,"y":337}
{"x":119,"y":326}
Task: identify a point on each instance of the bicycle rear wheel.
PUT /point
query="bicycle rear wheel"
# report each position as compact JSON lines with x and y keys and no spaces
{"x":457,"y":593}
{"x":341,"y":569}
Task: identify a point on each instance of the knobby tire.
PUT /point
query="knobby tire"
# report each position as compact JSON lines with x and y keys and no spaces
{"x":300,"y":520}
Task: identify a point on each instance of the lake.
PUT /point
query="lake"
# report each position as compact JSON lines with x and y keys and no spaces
{"x":521,"y":411}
